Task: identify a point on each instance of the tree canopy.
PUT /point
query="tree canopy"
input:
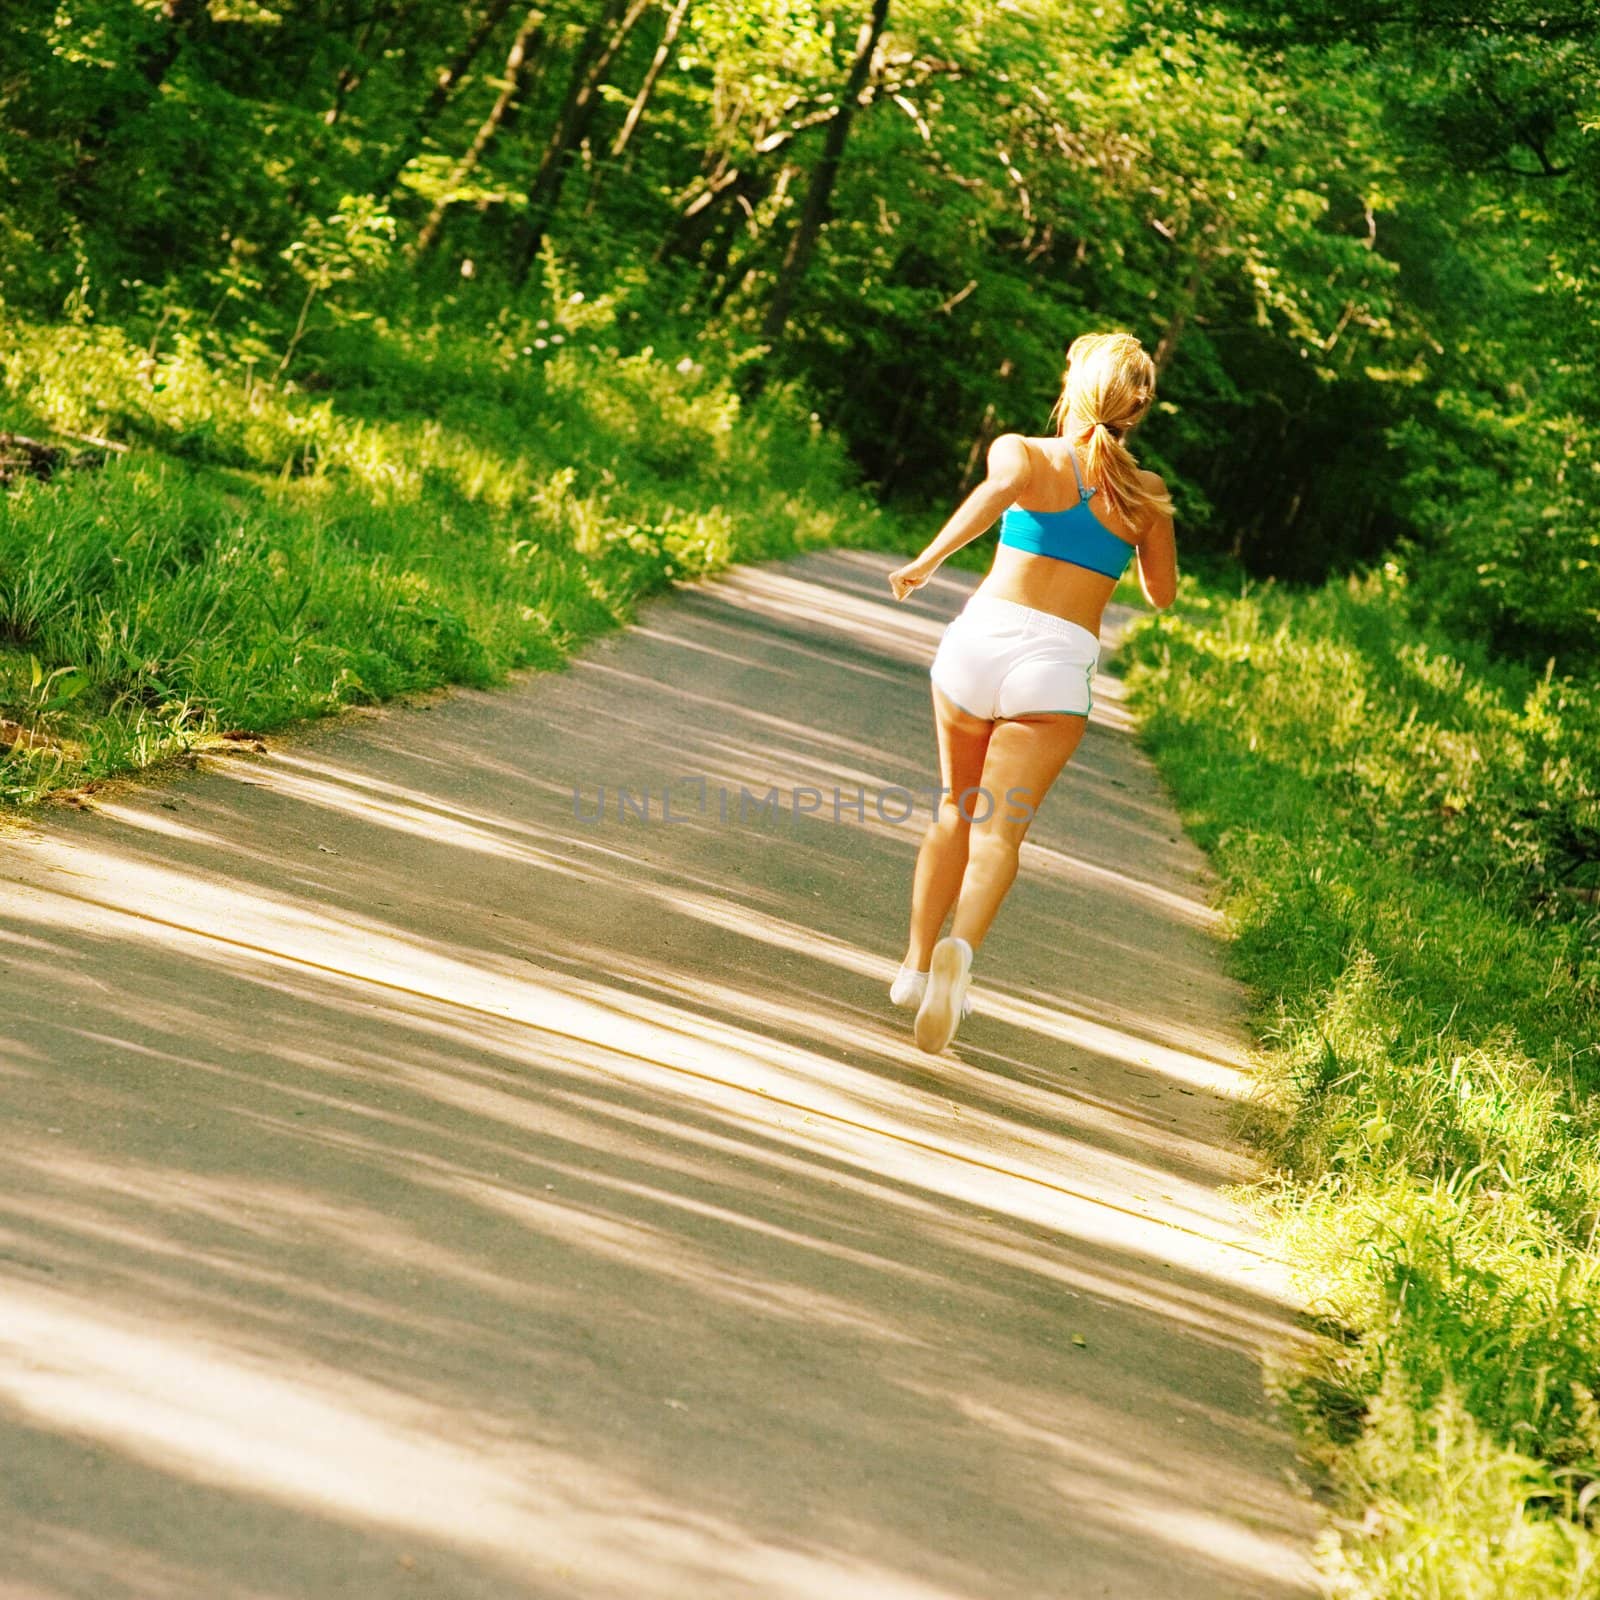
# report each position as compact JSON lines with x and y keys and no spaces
{"x":1360,"y":237}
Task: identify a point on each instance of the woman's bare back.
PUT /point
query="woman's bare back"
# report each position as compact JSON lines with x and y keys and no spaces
{"x":1043,"y":582}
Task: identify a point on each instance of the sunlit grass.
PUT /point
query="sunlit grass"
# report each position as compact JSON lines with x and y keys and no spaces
{"x":444,"y":508}
{"x":1408,"y":835}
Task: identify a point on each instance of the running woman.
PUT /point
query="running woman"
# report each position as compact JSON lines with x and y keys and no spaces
{"x":1011,"y":679}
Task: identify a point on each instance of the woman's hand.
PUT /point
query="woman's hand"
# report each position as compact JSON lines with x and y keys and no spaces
{"x":1009,"y":470}
{"x":911,"y":576}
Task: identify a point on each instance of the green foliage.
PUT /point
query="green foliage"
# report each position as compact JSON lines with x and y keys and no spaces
{"x":1449,"y":1512}
{"x":456,"y":507}
{"x":1362,"y":238}
{"x":1407,"y":833}
{"x":1504,"y":515}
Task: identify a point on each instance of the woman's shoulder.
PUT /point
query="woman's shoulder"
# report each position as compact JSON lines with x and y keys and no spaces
{"x":1014,"y":444}
{"x":1046,"y":446}
{"x":1010,"y":460}
{"x":1026,"y":449}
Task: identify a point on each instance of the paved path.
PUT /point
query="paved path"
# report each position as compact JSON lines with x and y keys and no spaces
{"x":409,"y":1189}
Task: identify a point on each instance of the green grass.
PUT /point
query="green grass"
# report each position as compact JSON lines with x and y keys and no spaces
{"x":1408,"y":835}
{"x":416,"y":509}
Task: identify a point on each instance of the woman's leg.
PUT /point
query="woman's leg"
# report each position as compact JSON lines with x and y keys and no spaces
{"x":963,"y":745}
{"x":1024,"y":757}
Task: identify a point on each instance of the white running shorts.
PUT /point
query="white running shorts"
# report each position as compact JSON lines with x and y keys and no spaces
{"x":999,"y":659}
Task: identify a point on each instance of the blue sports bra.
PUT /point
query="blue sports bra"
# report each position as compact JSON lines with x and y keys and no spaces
{"x":1075,"y":535}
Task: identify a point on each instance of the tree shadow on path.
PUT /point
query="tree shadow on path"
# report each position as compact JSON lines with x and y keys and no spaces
{"x":410,"y":1188}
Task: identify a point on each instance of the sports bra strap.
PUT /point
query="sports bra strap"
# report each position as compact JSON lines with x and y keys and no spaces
{"x":1084,"y":491}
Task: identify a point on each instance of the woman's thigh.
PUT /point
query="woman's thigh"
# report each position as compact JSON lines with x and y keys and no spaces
{"x":963,"y":746}
{"x":1024,"y":758}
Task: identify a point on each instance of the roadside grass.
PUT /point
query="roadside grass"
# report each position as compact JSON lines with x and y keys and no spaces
{"x":1408,"y":836}
{"x":418,"y":508}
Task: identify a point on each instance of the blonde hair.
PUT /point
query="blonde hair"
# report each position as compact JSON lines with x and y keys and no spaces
{"x":1109,"y":383}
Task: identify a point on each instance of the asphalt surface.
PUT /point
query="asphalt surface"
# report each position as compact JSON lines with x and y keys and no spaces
{"x":421,"y":1177}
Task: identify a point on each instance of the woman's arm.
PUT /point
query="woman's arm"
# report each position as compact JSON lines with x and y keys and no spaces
{"x":1008,"y":474}
{"x":1158,"y":555}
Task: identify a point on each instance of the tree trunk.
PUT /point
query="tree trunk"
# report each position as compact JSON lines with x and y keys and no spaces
{"x":698,"y":220}
{"x":732,"y":275}
{"x":456,"y":69}
{"x":1167,"y":346}
{"x":352,"y":72}
{"x":180,"y":16}
{"x":803,"y":243}
{"x":985,"y":435}
{"x":525,"y":44}
{"x":445,"y":84}
{"x":393,"y":18}
{"x":152,"y":60}
{"x":594,"y":56}
{"x":715,"y":266}
{"x":724,"y":183}
{"x":658,"y":61}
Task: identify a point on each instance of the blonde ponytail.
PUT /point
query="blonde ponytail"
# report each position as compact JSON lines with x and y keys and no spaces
{"x":1109,"y":384}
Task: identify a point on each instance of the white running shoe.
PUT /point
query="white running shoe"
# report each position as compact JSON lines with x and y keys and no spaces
{"x":909,"y":986}
{"x":943,"y":1006}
